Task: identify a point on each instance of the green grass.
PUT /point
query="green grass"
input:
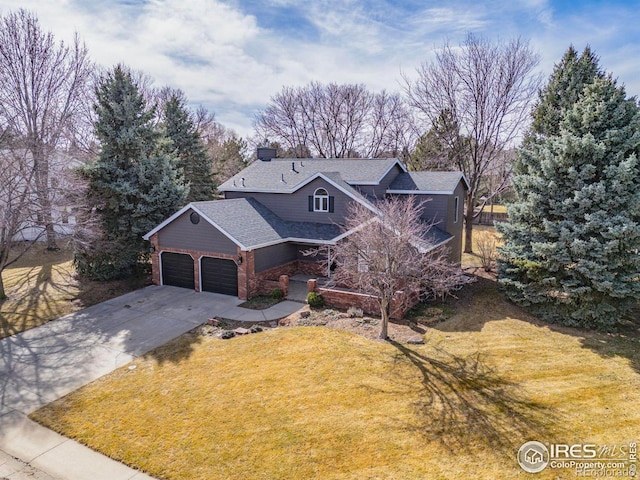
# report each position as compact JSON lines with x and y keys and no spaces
{"x":43,"y":286}
{"x":312,"y":402}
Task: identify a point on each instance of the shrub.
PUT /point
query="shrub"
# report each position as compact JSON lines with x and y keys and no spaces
{"x":277,"y":294}
{"x":314,"y":300}
{"x":487,"y":244}
{"x":227,"y":334}
{"x":256,"y":328}
{"x":355,"y":312}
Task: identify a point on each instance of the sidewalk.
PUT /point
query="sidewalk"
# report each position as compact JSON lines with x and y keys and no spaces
{"x":45,"y":363}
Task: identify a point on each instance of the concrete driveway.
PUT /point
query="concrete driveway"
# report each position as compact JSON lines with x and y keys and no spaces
{"x":47,"y":362}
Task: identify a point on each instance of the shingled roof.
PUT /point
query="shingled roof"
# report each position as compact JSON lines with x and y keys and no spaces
{"x":249,"y":224}
{"x":290,"y":174}
{"x":427,"y":182}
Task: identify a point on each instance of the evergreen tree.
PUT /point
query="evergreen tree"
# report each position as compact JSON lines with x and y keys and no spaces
{"x":572,"y":244}
{"x":189,"y":148}
{"x":133,"y":185}
{"x":563,"y":90}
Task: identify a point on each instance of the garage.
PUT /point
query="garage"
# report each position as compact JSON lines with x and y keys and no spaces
{"x":219,"y":275}
{"x":177,"y":270}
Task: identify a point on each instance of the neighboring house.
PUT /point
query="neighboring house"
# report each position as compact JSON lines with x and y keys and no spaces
{"x":63,"y":215}
{"x":276,"y":210}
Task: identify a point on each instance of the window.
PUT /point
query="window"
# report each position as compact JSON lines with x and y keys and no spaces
{"x":456,"y":208}
{"x":320,"y":200}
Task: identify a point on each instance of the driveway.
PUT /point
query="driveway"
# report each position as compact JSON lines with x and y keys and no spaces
{"x":45,"y":363}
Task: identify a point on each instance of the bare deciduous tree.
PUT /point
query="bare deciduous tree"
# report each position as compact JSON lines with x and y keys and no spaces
{"x":42,"y":94}
{"x":337,"y":121}
{"x":487,"y":89}
{"x":18,"y":208}
{"x":390,"y":252}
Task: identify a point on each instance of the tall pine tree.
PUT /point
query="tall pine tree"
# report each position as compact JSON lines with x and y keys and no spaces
{"x":189,"y":149}
{"x":133,"y":185}
{"x":572,"y":244}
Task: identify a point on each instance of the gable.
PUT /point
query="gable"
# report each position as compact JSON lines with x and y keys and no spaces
{"x":182,"y":233}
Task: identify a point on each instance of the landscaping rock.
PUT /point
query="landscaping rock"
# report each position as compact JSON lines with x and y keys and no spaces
{"x":213,"y":322}
{"x":242,"y":331}
{"x":305,"y":314}
{"x":416,"y":340}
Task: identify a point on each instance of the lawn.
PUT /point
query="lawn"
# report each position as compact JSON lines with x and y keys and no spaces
{"x":43,"y":286}
{"x":314,"y":402}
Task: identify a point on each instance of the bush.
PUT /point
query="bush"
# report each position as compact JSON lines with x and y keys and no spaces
{"x":277,"y":294}
{"x":227,"y":334}
{"x":255,"y":329}
{"x":355,"y":312}
{"x":314,"y":300}
{"x":487,"y":245}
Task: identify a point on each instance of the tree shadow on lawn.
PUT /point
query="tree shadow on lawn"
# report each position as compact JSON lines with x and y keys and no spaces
{"x":482,"y":302}
{"x":463,"y":401}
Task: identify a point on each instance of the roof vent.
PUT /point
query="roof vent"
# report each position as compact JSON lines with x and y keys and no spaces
{"x":293,"y":167}
{"x":234,"y":183}
{"x":242,"y":181}
{"x":282,"y":179}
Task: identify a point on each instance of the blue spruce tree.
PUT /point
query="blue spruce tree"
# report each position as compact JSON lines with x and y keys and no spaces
{"x":133,"y":185}
{"x":572,"y":244}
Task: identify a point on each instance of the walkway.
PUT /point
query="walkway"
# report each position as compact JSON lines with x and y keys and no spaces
{"x":47,"y":362}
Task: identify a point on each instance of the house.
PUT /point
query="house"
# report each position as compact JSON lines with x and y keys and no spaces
{"x":276,"y":210}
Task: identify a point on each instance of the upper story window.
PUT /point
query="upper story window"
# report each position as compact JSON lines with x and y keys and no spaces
{"x":320,"y":200}
{"x":456,"y":209}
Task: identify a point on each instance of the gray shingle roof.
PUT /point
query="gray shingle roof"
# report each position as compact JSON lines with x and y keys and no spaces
{"x":427,"y":181}
{"x":252,"y":224}
{"x":269,"y":176}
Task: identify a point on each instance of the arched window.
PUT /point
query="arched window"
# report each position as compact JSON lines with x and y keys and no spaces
{"x":320,"y":200}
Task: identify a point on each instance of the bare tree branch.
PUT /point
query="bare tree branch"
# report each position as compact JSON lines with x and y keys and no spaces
{"x":43,"y":91}
{"x":487,"y":90}
{"x":391,"y":252}
{"x":337,"y":121}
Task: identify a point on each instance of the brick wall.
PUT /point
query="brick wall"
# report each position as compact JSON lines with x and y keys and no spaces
{"x":264,"y":282}
{"x":368,"y":303}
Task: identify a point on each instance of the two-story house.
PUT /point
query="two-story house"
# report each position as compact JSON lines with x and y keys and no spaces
{"x":276,"y":209}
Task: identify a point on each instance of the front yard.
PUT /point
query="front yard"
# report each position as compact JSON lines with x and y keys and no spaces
{"x":315,"y":402}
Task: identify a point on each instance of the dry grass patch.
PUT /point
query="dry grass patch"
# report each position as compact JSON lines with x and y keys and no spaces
{"x":43,"y":286}
{"x":312,"y":402}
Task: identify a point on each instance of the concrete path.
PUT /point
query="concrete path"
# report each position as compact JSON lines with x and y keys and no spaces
{"x":45,"y":363}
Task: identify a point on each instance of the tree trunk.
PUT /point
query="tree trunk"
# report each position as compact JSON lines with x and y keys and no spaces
{"x":384,"y":310}
{"x":468,"y":226}
{"x":43,"y":191}
{"x":3,"y":295}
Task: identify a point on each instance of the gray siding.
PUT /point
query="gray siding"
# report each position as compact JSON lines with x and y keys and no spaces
{"x":453,"y":227}
{"x":295,"y":206}
{"x":269,"y":257}
{"x":434,"y":209}
{"x":181,"y":233}
{"x":379,"y":191}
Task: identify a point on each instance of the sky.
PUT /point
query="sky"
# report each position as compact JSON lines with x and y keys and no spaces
{"x":232,"y":56}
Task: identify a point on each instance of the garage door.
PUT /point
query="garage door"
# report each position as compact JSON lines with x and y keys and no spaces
{"x":219,"y":276}
{"x":177,"y":270}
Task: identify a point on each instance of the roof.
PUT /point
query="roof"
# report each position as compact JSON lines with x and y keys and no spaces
{"x":427,"y":182}
{"x":290,"y":174}
{"x":250,"y":225}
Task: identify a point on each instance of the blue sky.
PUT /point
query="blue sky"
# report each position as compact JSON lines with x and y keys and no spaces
{"x":233,"y":55}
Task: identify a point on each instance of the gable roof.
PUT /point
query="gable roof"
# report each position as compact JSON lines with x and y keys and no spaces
{"x":286,"y":175}
{"x":443,"y":183}
{"x":250,"y":225}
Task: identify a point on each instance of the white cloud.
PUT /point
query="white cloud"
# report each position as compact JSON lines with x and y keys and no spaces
{"x":229,"y":57}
